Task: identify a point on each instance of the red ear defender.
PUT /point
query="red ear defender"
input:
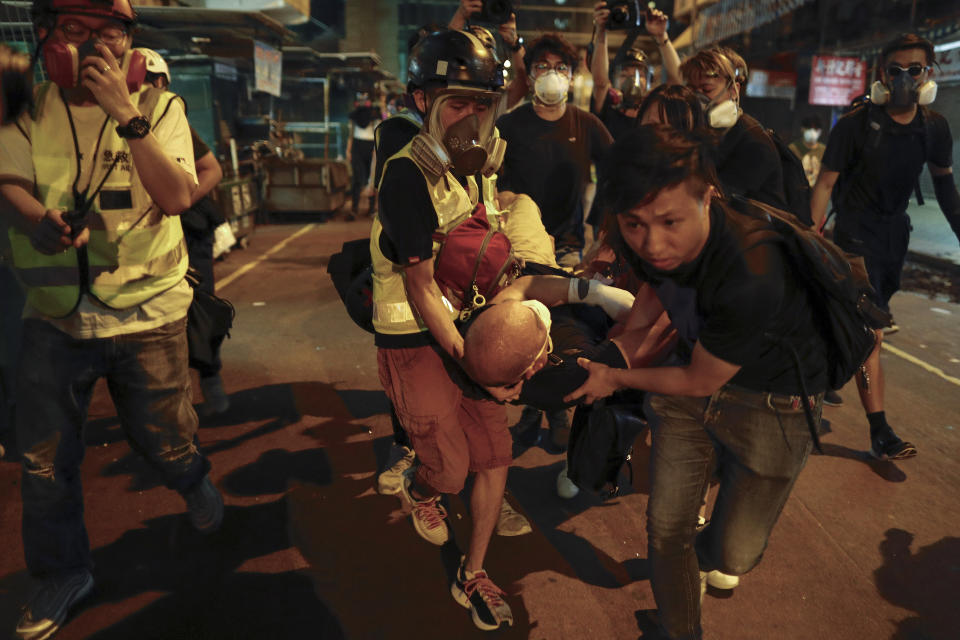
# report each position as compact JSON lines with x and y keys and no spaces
{"x":62,"y":62}
{"x":136,"y":66}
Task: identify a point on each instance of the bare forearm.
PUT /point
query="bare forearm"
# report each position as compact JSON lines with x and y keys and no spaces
{"x":429,"y":304}
{"x":599,"y":69}
{"x":820,"y":198}
{"x":673,"y":381}
{"x":209,"y":175}
{"x":166,"y":183}
{"x":671,"y":61}
{"x":25,"y":211}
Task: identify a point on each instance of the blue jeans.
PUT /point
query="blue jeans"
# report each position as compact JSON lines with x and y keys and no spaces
{"x":757,"y":443}
{"x":149,"y":383}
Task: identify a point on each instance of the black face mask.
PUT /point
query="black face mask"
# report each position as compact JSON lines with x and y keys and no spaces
{"x":903,"y":90}
{"x":462,"y":141}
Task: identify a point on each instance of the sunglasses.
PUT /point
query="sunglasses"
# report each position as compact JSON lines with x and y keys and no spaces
{"x":914,"y":70}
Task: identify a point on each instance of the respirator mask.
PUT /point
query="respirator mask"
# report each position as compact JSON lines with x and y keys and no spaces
{"x":723,"y":115}
{"x":905,"y":87}
{"x":551,"y":87}
{"x":469,"y":145}
{"x":62,"y":63}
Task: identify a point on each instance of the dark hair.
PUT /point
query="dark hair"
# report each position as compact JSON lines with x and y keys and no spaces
{"x":908,"y":41}
{"x":550,"y":43}
{"x":678,"y":105}
{"x":811,"y":122}
{"x":646,"y":161}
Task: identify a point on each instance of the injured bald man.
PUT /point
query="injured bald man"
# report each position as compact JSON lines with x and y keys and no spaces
{"x":524,"y":345}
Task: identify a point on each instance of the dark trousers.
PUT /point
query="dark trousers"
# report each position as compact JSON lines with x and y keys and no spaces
{"x":757,"y":443}
{"x":360,"y":155}
{"x":148,"y":380}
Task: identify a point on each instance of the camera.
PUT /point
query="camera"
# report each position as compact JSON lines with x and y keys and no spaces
{"x":625,"y":14}
{"x":496,"y":11}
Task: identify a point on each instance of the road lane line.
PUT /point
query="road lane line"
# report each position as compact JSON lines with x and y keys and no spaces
{"x":223,"y":282}
{"x":920,"y":363}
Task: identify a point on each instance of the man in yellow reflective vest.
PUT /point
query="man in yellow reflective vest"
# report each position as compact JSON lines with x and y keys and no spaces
{"x":431,"y":185}
{"x":96,"y":175}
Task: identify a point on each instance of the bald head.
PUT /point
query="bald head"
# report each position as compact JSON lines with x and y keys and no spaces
{"x":502,"y":344}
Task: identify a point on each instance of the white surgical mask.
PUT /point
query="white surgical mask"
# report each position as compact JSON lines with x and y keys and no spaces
{"x":810,"y":136}
{"x":551,"y":87}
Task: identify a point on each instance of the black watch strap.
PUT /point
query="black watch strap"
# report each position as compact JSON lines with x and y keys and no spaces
{"x":138,"y":127}
{"x":517,"y":45}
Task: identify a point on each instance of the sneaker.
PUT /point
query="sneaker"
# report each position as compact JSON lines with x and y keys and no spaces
{"x":559,"y":425}
{"x":399,"y":463}
{"x":47,"y":610}
{"x":215,"y":399}
{"x":428,"y":516}
{"x":565,"y":486}
{"x":887,"y":446}
{"x":833,"y":399}
{"x":720,"y":580}
{"x":205,"y":505}
{"x":527,"y":430}
{"x":511,"y":522}
{"x":478,"y":593}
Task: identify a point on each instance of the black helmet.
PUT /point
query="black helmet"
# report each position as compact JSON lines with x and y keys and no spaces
{"x":454,"y":57}
{"x":633,"y":58}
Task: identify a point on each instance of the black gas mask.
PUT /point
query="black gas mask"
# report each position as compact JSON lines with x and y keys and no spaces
{"x":462,"y":140}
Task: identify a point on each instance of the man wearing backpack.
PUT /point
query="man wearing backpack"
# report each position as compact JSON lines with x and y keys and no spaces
{"x":875,"y":155}
{"x":428,"y":188}
{"x":733,"y":405}
{"x":748,"y":162}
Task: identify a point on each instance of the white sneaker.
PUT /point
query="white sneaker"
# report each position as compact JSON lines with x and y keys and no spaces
{"x":399,"y":463}
{"x":511,"y":523}
{"x":565,"y":486}
{"x":720,"y":580}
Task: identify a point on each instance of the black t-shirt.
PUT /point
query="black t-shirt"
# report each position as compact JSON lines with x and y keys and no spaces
{"x":550,"y":162}
{"x":741,"y":300}
{"x":614,"y":119}
{"x":408,"y":219}
{"x":200,"y":147}
{"x":879,"y":166}
{"x":392,"y":135}
{"x":363,"y":115}
{"x":748,"y":163}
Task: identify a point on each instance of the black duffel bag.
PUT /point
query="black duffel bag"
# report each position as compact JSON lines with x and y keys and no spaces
{"x":209,"y":320}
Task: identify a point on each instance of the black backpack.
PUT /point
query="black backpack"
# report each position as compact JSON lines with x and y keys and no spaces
{"x":796,"y":188}
{"x":601,"y":443}
{"x":352,"y":273}
{"x":839,"y":292}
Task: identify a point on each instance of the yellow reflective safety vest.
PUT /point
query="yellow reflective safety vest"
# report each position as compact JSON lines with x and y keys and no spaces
{"x":135,"y":251}
{"x":392,"y":312}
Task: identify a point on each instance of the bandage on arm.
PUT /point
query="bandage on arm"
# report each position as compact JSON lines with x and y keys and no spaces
{"x":615,"y":302}
{"x":949,"y":200}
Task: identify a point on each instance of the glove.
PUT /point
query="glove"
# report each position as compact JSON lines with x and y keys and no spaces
{"x":615,"y":302}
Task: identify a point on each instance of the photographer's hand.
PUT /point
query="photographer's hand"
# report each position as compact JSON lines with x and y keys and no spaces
{"x":51,"y":235}
{"x":601,"y":15}
{"x":508,"y":31}
{"x":466,"y":9}
{"x":657,"y":23}
{"x":105,"y":79}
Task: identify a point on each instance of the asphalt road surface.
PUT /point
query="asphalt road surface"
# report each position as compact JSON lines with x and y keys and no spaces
{"x":864,"y":550}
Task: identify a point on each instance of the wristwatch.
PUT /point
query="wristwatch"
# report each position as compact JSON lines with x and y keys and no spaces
{"x":137,"y":128}
{"x":517,"y":45}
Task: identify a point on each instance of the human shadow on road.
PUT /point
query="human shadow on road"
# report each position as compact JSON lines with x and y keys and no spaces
{"x":926,"y":582}
{"x":276,"y":407}
{"x":195,"y":586}
{"x":885,"y":469}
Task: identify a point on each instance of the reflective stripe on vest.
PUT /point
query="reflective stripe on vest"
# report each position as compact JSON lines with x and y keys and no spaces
{"x":392,"y":312}
{"x":135,"y":252}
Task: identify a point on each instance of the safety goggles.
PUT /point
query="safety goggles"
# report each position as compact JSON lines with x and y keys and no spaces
{"x":914,"y":70}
